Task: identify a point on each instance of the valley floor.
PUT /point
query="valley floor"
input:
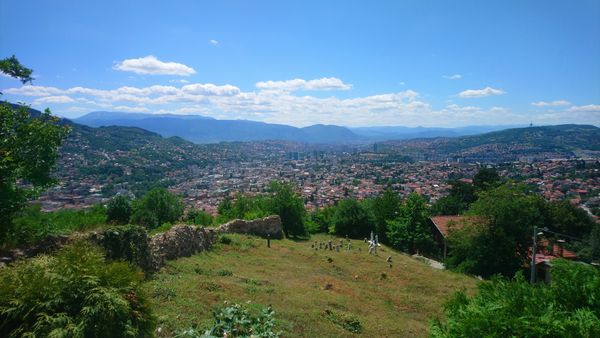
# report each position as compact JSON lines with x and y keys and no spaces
{"x":302,"y":284}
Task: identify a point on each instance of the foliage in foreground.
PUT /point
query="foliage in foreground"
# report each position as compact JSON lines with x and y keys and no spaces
{"x":28,"y":152}
{"x":568,"y":307}
{"x":31,"y":225}
{"x":236,"y":320}
{"x":73,"y":294}
{"x":128,"y":243}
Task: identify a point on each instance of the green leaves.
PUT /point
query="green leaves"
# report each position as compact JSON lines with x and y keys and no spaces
{"x":28,"y":152}
{"x":73,"y":294}
{"x":14,"y":68}
{"x":157,"y":207}
{"x":568,"y":307}
{"x":410,"y":230}
{"x":237,"y":321}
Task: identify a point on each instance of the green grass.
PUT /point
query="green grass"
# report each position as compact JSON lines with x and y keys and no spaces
{"x":311,"y":296}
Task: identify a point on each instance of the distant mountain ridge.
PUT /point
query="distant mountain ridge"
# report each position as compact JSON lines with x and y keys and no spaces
{"x":202,"y":129}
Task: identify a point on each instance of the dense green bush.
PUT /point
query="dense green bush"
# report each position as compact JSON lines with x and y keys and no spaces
{"x":199,"y":217}
{"x":499,"y":242}
{"x":73,"y":294}
{"x":119,"y":210}
{"x":568,"y":307}
{"x":128,"y":243}
{"x":235,"y":320}
{"x":410,"y":231}
{"x":157,"y":207}
{"x":352,"y":219}
{"x":32,"y":225}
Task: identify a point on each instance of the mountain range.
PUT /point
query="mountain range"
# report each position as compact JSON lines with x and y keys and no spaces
{"x":201,"y":129}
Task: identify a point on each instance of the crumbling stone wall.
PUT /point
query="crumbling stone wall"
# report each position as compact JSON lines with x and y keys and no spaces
{"x":270,"y":225}
{"x":179,"y":241}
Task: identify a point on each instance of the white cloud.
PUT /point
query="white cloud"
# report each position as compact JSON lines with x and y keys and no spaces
{"x":153,"y":66}
{"x":31,"y":90}
{"x":556,"y":103}
{"x":590,"y":108}
{"x":213,"y":42}
{"x":487,"y":91}
{"x":276,"y":102}
{"x":325,"y":83}
{"x":210,"y":89}
{"x":53,"y":99}
{"x":452,"y":77}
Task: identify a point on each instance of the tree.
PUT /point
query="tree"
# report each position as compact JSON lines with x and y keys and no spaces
{"x":410,"y":231}
{"x":321,"y":219}
{"x":199,"y":217}
{"x":352,"y":219}
{"x":158,"y":206}
{"x":28,"y":150}
{"x":118,"y":210}
{"x":568,"y":307}
{"x":459,"y":198}
{"x":289,"y":206}
{"x":565,"y":218}
{"x":385,"y":208}
{"x":12,"y":67}
{"x":486,"y":178}
{"x":499,"y":240}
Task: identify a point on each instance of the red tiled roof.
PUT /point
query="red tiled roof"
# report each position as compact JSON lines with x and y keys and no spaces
{"x":443,"y":222}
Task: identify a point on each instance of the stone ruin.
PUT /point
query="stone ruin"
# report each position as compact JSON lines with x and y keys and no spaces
{"x":264,"y":227}
{"x":179,"y":241}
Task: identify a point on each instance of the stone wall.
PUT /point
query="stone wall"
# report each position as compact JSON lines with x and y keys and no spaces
{"x":263,"y":227}
{"x":179,"y":241}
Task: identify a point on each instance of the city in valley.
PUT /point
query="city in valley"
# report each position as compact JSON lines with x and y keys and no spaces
{"x":322,"y":175}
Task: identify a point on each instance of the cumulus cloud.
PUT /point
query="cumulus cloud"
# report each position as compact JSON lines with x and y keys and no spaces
{"x":487,"y":91}
{"x":213,"y":42}
{"x":31,"y":90}
{"x":153,"y":66}
{"x":53,"y":99}
{"x":556,"y":103}
{"x":452,"y":77}
{"x":277,"y":102}
{"x":325,"y":83}
{"x":210,"y":89}
{"x":590,"y":108}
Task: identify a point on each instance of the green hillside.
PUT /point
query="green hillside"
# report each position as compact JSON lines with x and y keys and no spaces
{"x":301,"y":284}
{"x":505,"y":145}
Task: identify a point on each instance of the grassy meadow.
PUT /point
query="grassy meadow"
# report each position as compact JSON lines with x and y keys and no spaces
{"x":313,"y":292}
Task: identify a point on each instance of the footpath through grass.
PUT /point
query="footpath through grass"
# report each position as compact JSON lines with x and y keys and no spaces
{"x":314,"y":293}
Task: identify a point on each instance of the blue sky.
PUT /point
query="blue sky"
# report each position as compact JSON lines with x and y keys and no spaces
{"x":354,"y":63}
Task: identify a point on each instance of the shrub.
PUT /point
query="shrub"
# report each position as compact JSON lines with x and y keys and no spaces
{"x":32,"y":225}
{"x":73,"y":294}
{"x":199,"y":217}
{"x":345,"y":321}
{"x":236,"y":320}
{"x":568,"y":307}
{"x":157,"y":207}
{"x":128,"y":243}
{"x":118,"y":210}
{"x":225,"y":240}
